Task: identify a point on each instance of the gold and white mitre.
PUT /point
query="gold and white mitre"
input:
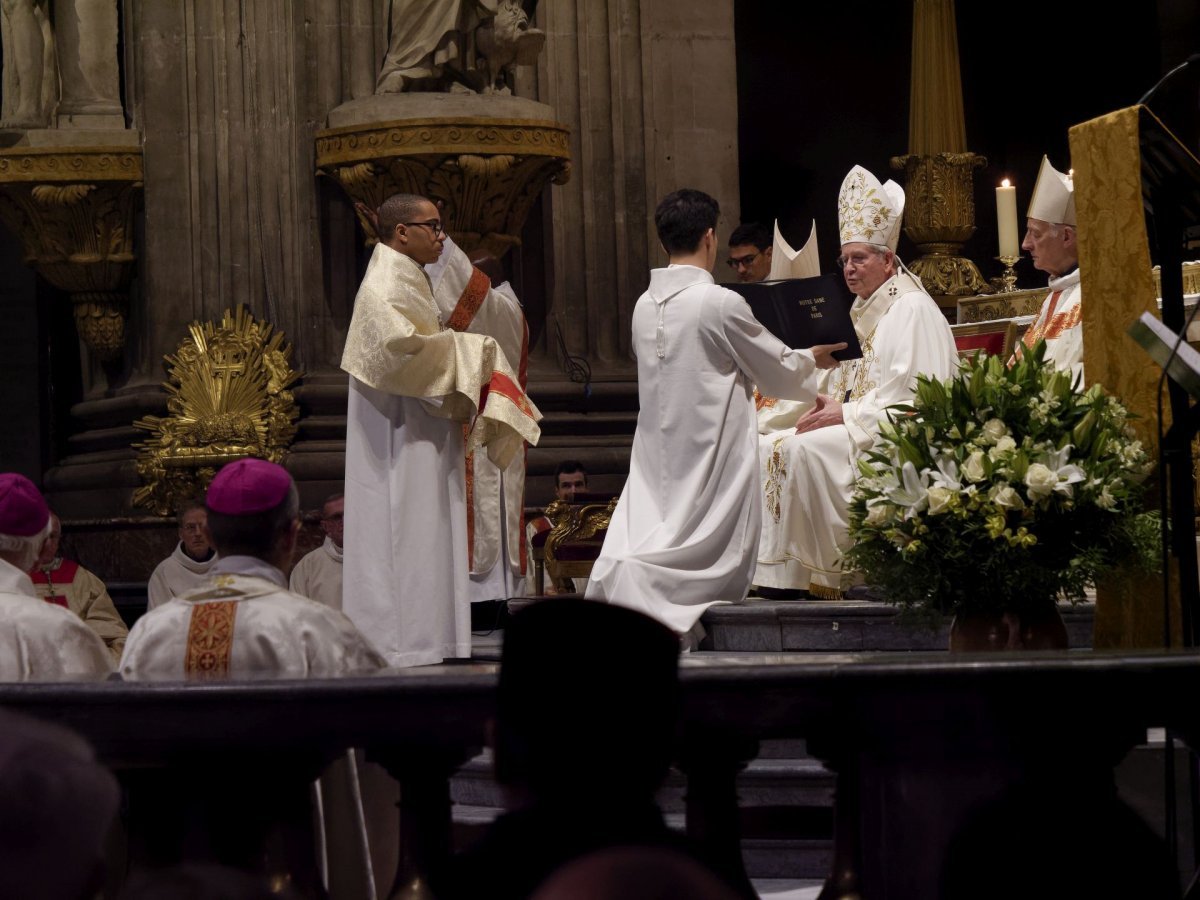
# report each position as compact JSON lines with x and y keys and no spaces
{"x":1053,"y":197}
{"x":869,"y":212}
{"x":789,"y":263}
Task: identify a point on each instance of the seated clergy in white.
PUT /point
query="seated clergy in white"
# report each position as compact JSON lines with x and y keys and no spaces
{"x":318,"y":575}
{"x":189,"y":564}
{"x":39,"y":641}
{"x":808,"y":473}
{"x":245,"y":622}
{"x":1050,"y":240}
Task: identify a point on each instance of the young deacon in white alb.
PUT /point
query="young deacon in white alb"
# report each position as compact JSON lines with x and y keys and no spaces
{"x":808,"y":472}
{"x":686,"y":526}
{"x":1050,"y":240}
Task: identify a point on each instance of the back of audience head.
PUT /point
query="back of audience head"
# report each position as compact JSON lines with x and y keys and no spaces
{"x":25,"y":521}
{"x":633,"y":873}
{"x":59,"y":805}
{"x":196,"y":881}
{"x":254,"y":510}
{"x":570,"y":478}
{"x":567,"y":704}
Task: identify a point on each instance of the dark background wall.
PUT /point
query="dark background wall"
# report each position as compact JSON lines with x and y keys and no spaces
{"x":827,"y":87}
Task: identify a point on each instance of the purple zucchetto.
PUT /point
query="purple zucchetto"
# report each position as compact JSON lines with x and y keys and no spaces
{"x":248,"y":486}
{"x":23,"y":511}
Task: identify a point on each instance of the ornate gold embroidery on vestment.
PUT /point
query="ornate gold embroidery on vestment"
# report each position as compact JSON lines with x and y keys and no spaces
{"x":210,"y":640}
{"x":776,"y":477}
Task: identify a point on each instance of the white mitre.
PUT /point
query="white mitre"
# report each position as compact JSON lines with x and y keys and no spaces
{"x":870,"y":212}
{"x":789,"y":263}
{"x":1053,"y":198}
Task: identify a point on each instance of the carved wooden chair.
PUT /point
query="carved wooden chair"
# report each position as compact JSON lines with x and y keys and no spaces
{"x":572,"y":544}
{"x":996,"y":337}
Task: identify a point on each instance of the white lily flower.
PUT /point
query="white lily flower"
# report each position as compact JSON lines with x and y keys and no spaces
{"x":912,"y":495}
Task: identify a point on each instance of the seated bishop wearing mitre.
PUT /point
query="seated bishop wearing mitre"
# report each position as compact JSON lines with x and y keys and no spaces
{"x":808,"y":467}
{"x":1051,"y":242}
{"x":245,"y":622}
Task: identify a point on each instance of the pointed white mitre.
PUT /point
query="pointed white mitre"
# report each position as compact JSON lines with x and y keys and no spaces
{"x":870,"y":212}
{"x":1053,"y":198}
{"x":789,"y":263}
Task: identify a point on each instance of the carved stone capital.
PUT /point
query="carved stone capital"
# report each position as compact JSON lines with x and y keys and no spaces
{"x":73,"y":211}
{"x":487,"y":172}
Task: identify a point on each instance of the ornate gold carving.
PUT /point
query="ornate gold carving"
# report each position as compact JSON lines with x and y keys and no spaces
{"x":573,"y":523}
{"x":73,"y":211}
{"x":229,"y":399}
{"x":939,"y":217}
{"x":486,"y":172}
{"x":1191,"y":278}
{"x":985,"y":307}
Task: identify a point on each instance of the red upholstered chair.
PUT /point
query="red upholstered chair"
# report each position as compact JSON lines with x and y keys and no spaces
{"x":996,"y":337}
{"x":571,"y":546}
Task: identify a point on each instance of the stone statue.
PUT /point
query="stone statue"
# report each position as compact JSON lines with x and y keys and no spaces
{"x":87,"y":59}
{"x":30,"y":80}
{"x":457,"y":45}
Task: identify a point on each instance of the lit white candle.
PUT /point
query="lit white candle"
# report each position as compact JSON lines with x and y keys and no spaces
{"x":1006,"y":219}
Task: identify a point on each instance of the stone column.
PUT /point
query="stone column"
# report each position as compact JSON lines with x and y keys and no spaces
{"x":229,"y":97}
{"x":649,"y":90}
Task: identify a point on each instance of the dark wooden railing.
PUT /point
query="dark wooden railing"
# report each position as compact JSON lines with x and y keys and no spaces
{"x":917,"y":740}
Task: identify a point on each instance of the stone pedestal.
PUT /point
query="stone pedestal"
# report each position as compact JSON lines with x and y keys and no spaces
{"x":70,"y":196}
{"x":485,"y":159}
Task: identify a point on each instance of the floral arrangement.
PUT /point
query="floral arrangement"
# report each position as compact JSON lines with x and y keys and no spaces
{"x":1000,"y":489}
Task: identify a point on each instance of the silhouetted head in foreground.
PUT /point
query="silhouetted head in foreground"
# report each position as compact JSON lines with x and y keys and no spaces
{"x":634,"y":873}
{"x":58,"y":807}
{"x":586,"y":687}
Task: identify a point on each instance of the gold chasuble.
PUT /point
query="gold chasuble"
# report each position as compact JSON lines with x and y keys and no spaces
{"x":397,"y":343}
{"x":1114,"y":267}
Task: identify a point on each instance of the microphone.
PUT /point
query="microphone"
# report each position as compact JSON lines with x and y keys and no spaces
{"x":1194,"y":58}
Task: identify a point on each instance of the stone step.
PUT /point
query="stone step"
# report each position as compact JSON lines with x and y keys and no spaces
{"x":843,"y":626}
{"x":606,"y":422}
{"x":554,"y":396}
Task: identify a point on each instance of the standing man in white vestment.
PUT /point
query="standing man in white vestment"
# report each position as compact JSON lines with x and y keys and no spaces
{"x":414,"y":383}
{"x":686,"y":526}
{"x":473,"y":295}
{"x":1050,"y":240}
{"x":244,"y":621}
{"x":318,"y":575}
{"x":188,"y":566}
{"x":39,"y":641}
{"x":810,"y":472}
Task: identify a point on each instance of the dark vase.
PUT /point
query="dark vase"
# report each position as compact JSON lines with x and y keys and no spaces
{"x":1041,"y":628}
